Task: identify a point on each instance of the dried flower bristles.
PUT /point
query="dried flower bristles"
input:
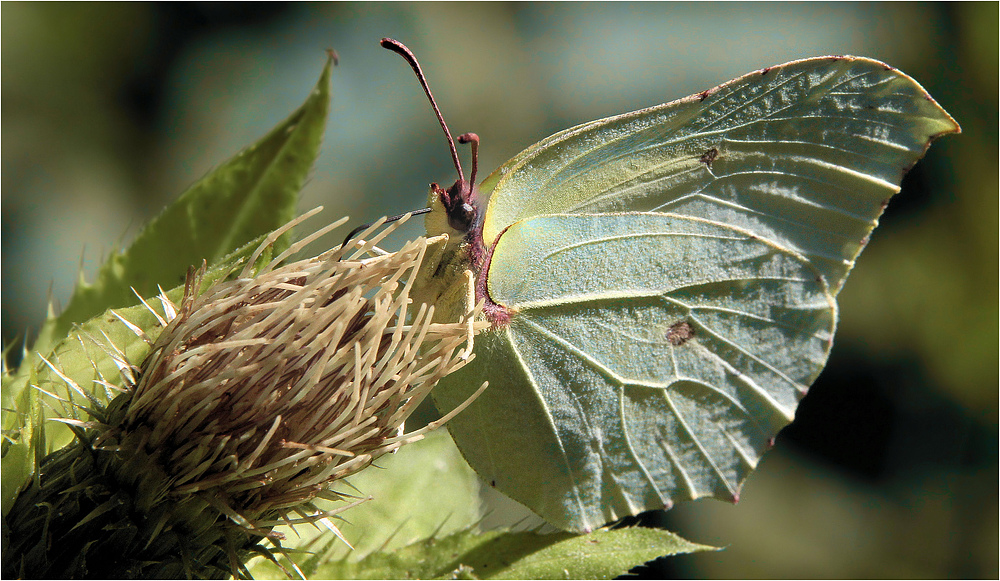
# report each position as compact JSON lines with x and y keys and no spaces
{"x":294,"y":377}
{"x":257,"y":394}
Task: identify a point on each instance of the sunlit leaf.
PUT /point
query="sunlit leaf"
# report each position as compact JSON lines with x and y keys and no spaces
{"x":602,"y":554}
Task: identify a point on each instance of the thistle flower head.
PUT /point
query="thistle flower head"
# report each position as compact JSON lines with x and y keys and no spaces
{"x":271,"y":386}
{"x":259,"y":393}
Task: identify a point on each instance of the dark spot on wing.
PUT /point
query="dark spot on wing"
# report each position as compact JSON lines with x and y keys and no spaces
{"x":704,"y":95}
{"x":679,"y":333}
{"x":709,"y":156}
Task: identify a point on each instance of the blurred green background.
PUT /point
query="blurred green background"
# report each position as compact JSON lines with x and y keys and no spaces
{"x":890,"y":470}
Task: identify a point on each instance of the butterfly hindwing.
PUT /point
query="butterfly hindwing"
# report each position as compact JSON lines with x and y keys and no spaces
{"x":655,"y":355}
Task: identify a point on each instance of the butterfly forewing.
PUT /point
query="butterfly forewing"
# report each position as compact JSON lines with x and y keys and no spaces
{"x":805,"y":154}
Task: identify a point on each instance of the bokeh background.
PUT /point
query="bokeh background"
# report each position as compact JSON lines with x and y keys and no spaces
{"x":890,"y":469}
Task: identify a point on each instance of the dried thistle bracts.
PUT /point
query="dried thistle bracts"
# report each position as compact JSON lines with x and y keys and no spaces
{"x":256,"y":395}
{"x":308,"y":368}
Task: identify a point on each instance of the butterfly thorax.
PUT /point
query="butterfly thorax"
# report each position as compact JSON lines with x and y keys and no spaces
{"x":456,"y":269}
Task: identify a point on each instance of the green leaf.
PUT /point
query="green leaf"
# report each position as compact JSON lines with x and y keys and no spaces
{"x":251,"y":194}
{"x":407,"y":502}
{"x":602,"y":554}
{"x":421,"y":521}
{"x":221,"y":218}
{"x":407,"y":505}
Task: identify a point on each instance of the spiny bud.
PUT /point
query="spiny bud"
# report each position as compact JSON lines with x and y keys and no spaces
{"x":258,"y":393}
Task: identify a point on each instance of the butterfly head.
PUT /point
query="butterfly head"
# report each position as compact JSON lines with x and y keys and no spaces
{"x":459,"y":203}
{"x":456,"y":205}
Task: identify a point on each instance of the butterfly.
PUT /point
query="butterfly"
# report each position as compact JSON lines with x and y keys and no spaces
{"x":661,"y":285}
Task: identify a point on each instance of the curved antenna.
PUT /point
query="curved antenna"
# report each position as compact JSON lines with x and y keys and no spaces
{"x":474,"y":140}
{"x":352,"y":233}
{"x":400,"y":49}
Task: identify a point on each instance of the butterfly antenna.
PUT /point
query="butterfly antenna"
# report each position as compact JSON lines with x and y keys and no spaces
{"x":474,"y":140}
{"x":400,"y":49}
{"x":354,"y":232}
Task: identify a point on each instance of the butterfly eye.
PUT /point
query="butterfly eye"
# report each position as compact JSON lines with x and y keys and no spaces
{"x":461,"y":217}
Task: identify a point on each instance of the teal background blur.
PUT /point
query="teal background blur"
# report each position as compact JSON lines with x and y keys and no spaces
{"x":890,"y":470}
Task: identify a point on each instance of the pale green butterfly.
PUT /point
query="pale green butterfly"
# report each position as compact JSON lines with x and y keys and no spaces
{"x":661,"y":285}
